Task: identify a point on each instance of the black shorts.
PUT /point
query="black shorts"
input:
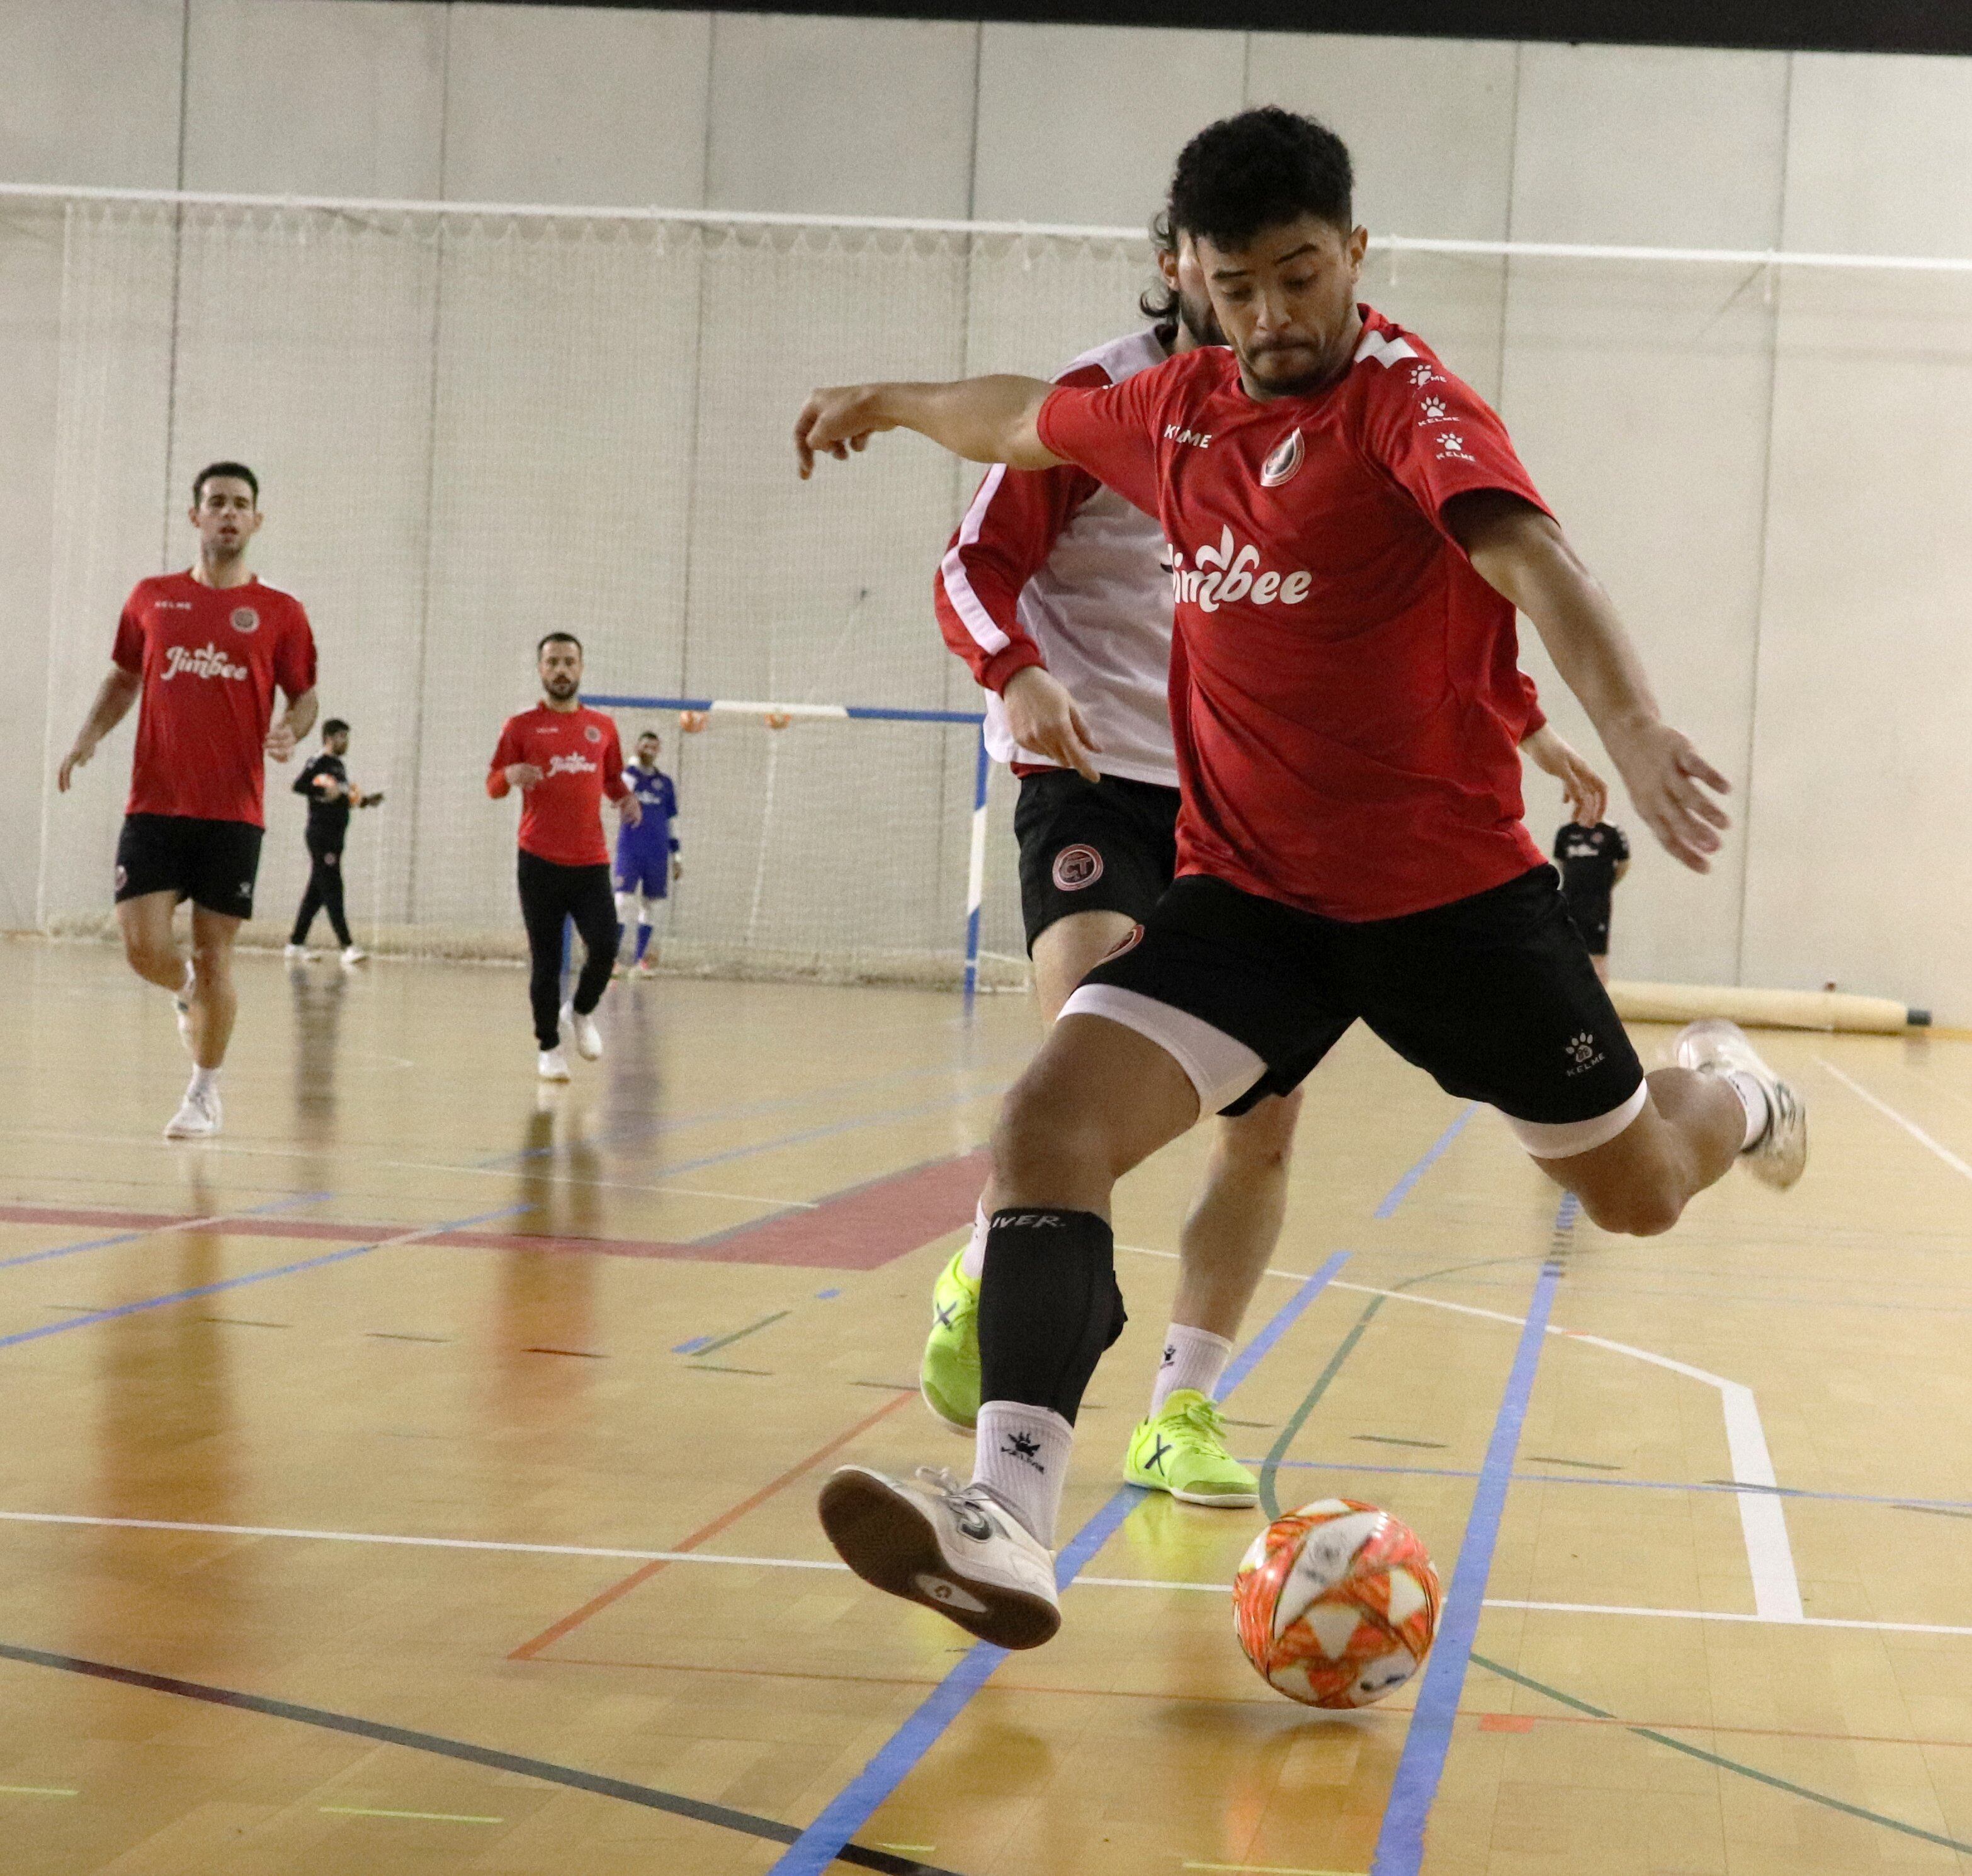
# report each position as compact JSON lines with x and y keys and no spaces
{"x":1107,"y":846}
{"x":213,"y":863}
{"x":1591,"y":920}
{"x":1493,"y":996}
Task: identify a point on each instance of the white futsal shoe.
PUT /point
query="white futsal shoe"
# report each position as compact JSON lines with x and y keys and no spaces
{"x":353,"y":954}
{"x":553,"y":1066}
{"x":198,"y":1115}
{"x":1717,"y":1047}
{"x":588,"y":1037}
{"x":298,"y":953}
{"x":954,"y":1547}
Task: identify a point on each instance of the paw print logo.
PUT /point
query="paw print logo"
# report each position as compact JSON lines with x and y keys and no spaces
{"x":1432,"y":410}
{"x":1580,"y":1048}
{"x":1449,"y":443}
{"x":1422,"y":374}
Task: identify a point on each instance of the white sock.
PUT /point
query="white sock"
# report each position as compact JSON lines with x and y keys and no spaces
{"x":203,"y":1081}
{"x":1753,"y":1098}
{"x":1193,"y":1358}
{"x":973,"y":1263}
{"x":183,"y":994}
{"x":1022,"y":1455}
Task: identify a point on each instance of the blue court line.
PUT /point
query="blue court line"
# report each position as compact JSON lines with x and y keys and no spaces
{"x":852,"y":1807}
{"x":251,"y":1276}
{"x":1403,"y":1188}
{"x":154,"y":1231}
{"x":1727,"y":1487}
{"x":1399,"y":1849}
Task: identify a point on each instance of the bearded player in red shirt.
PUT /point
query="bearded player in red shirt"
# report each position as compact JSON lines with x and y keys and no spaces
{"x":1351,"y":536}
{"x":206,"y":650}
{"x":564,"y":758}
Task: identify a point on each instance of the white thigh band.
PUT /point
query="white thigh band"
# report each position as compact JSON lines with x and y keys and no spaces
{"x":1560,"y":1139}
{"x":1219,"y":1068}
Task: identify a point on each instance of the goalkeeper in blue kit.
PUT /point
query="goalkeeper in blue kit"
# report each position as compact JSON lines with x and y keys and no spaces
{"x":647,"y":854}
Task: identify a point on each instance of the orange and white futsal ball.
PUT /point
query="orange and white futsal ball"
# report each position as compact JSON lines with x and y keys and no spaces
{"x":691,"y":722}
{"x":1336,"y":1604}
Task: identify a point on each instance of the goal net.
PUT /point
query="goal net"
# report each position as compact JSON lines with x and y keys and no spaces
{"x":471,"y":430}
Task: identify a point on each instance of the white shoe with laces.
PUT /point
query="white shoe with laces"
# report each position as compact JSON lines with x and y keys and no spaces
{"x":1717,"y":1047}
{"x":553,"y":1066}
{"x":198,"y":1115}
{"x":588,"y":1037}
{"x":353,"y":954}
{"x":954,"y":1547}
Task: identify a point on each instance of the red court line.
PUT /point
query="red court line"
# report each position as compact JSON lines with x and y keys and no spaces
{"x":644,"y":1572}
{"x":860,"y":1228}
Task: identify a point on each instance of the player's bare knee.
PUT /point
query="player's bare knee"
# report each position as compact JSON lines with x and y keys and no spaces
{"x":157,"y":961}
{"x":1261,"y":1140}
{"x":1639,"y":1209}
{"x":1043,"y":1141}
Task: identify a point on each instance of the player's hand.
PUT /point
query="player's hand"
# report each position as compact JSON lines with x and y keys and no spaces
{"x":1586,"y":792}
{"x":83,"y":751}
{"x":835,"y":421}
{"x":631,"y":810}
{"x":523,"y":774}
{"x":281,"y":740}
{"x":1667,"y":780}
{"x":1045,"y":718}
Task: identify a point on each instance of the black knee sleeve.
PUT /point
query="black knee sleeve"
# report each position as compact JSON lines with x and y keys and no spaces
{"x":1049,"y":1306}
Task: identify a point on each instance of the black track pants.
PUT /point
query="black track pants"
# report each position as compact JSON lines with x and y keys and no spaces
{"x":324,"y":894}
{"x":549,"y":894}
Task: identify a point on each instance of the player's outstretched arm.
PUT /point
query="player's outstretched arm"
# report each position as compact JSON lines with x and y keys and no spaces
{"x":990,"y":419}
{"x":1522,"y":554}
{"x":1586,"y":792}
{"x":113,"y":698}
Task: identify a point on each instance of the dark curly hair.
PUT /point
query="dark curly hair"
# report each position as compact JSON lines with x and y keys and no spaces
{"x":1158,"y":304}
{"x":1256,"y":171}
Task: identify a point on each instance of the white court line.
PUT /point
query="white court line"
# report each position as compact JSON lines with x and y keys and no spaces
{"x":1762,"y":1514}
{"x":720,"y":1558}
{"x":1910,"y":1126}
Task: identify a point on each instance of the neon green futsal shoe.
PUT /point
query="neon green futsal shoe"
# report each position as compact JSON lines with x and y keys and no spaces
{"x":1181,"y":1449}
{"x":948,"y":1377}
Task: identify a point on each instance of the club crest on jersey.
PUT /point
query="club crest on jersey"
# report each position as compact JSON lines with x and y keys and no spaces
{"x":245,"y":619}
{"x":1230,"y":572}
{"x":592,"y":734}
{"x":1282,"y":465}
{"x":1075,"y":867}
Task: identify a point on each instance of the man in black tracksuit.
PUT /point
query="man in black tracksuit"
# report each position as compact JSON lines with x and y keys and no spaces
{"x":331,"y":795}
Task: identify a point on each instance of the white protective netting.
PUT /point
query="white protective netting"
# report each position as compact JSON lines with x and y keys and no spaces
{"x":472,"y":430}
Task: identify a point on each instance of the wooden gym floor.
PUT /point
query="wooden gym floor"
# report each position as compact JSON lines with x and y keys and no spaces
{"x":420,"y":1478}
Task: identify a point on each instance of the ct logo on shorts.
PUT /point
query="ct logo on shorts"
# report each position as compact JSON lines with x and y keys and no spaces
{"x":593,"y":734}
{"x":245,"y":619}
{"x":1128,"y":941}
{"x":123,"y":878}
{"x":1075,"y":867}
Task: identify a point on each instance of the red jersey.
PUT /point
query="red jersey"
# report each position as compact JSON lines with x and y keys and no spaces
{"x":1344,"y":692}
{"x":210,"y":658}
{"x":578,"y":754}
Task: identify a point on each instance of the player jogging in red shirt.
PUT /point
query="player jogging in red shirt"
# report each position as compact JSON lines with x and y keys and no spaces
{"x":1352,"y":534}
{"x":206,"y":650}
{"x":564,"y":758}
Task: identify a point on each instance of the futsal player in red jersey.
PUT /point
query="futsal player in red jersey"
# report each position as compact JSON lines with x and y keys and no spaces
{"x":206,"y":650}
{"x":564,"y":758}
{"x":1351,"y":536}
